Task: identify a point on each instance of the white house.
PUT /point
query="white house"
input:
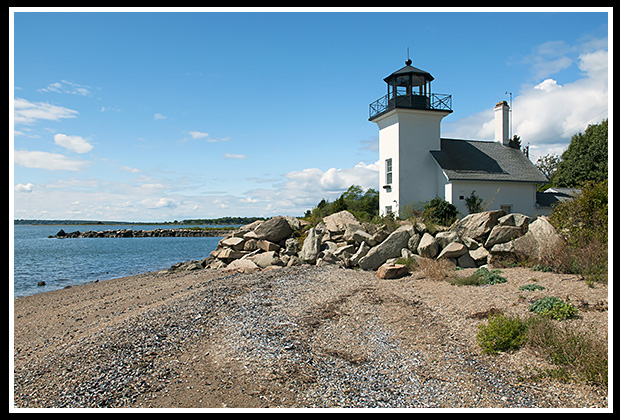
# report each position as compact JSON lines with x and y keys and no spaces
{"x":418,"y":165}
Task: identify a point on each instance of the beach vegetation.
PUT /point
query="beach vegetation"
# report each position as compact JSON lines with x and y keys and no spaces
{"x":364,"y":205}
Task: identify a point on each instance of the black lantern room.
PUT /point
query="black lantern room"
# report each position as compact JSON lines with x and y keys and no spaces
{"x":410,"y":88}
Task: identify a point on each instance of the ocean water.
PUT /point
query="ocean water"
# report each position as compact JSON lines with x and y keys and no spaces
{"x":67,"y":262}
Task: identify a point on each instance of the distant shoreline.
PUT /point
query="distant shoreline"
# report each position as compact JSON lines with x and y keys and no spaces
{"x":222,"y":221}
{"x":155,"y":233}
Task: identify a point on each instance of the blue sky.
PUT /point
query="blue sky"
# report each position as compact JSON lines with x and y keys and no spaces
{"x":153,"y":116}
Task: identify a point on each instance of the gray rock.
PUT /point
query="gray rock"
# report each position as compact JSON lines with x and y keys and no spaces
{"x":328,"y":258}
{"x":361,"y":252}
{"x":478,"y":225}
{"x":515,"y":219}
{"x":445,"y":238}
{"x":358,"y":236}
{"x":234,"y":243}
{"x":266,"y":245}
{"x":392,"y":271}
{"x":291,"y":246}
{"x":501,"y":234}
{"x":540,"y":241}
{"x":453,"y":250}
{"x":273,"y":230}
{"x":390,"y":248}
{"x":242,"y":266}
{"x":466,"y":261}
{"x":293,"y":222}
{"x":311,"y":247}
{"x":339,"y":222}
{"x":414,"y":242}
{"x":479,"y":255}
{"x":428,"y":246}
{"x":266,"y":259}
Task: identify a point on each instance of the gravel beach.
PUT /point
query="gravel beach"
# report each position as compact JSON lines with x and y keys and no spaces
{"x":302,"y":336}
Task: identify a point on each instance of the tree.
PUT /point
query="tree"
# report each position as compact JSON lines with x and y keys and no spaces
{"x":364,"y":205}
{"x":515,"y":142}
{"x":473,"y":203}
{"x":585,"y":159}
{"x":439,"y":211}
{"x":548,"y":164}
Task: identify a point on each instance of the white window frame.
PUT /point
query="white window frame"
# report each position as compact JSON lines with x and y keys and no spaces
{"x":388,"y":171}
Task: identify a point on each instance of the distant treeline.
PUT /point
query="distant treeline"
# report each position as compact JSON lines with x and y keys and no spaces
{"x":224,"y":221}
{"x":70,"y":222}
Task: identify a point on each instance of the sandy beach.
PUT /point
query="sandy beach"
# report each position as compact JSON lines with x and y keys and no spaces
{"x":290,"y":337}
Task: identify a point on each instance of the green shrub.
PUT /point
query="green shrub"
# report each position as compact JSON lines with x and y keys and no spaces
{"x":440,"y":211}
{"x":531,"y":287}
{"x":583,"y":222}
{"x":479,"y":277}
{"x":554,"y":307}
{"x":572,"y":349}
{"x":410,"y":263}
{"x":503,"y":333}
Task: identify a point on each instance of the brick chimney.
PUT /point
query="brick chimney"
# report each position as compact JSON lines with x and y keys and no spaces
{"x":502,"y":132}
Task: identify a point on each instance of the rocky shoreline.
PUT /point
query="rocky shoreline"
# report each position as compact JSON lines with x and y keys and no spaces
{"x":341,"y":240}
{"x":154,"y":233}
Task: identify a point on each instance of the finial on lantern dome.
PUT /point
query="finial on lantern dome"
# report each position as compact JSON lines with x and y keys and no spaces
{"x":408,"y":62}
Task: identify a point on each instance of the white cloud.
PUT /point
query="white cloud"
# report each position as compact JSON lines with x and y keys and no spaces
{"x":74,"y":143}
{"x":130,"y":169}
{"x":234,"y":156}
{"x":27,"y":112}
{"x":198,"y":134}
{"x":164,"y":203}
{"x":152,"y":199}
{"x":49,"y":161}
{"x":26,"y":188}
{"x":549,"y":58}
{"x":159,"y":116}
{"x":302,"y":190}
{"x":549,"y":113}
{"x":67,"y":87}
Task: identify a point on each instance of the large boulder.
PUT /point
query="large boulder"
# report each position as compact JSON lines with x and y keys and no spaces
{"x":242,"y":266}
{"x":501,"y":234}
{"x":515,"y":219}
{"x":453,"y":250}
{"x":359,"y":254}
{"x":540,"y":241}
{"x":392,"y":271}
{"x":390,"y":248}
{"x":477,"y":225}
{"x":274,"y":229}
{"x":339,"y":222}
{"x":428,"y":246}
{"x":357,"y":236}
{"x":311,"y":247}
{"x":235,"y":243}
{"x":266,"y":259}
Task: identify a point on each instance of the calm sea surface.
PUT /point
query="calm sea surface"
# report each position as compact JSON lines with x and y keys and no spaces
{"x":66,"y":262}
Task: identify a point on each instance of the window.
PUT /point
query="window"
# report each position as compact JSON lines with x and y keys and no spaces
{"x":506,"y":207}
{"x":388,"y":171}
{"x":388,"y":210}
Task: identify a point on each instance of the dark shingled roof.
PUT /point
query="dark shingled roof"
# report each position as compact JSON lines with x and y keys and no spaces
{"x":485,"y":161}
{"x":410,"y":69}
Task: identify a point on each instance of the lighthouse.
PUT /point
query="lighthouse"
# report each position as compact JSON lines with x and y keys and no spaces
{"x":409,"y":119}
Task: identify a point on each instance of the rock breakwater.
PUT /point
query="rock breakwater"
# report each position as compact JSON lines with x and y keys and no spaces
{"x":154,"y":233}
{"x":341,"y":240}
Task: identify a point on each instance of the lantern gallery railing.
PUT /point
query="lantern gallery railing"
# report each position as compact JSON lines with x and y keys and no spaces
{"x":437,"y":101}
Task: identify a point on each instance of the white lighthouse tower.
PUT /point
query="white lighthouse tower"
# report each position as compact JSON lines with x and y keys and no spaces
{"x":409,"y":119}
